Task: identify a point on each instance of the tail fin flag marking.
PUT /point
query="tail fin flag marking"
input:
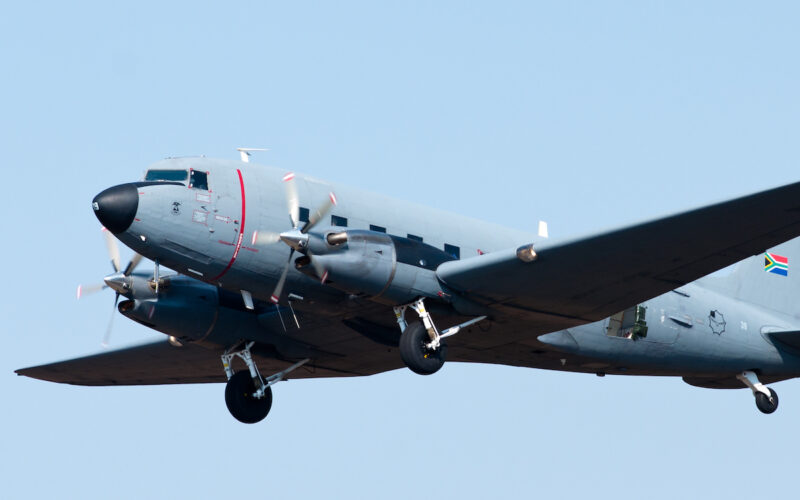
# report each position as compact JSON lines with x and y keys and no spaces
{"x":776,"y":264}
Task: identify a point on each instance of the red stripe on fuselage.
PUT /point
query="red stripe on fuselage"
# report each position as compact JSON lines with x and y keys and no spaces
{"x":241,"y":232}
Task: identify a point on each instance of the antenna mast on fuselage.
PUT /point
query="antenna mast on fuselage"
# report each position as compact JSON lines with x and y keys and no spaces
{"x":244,"y":153}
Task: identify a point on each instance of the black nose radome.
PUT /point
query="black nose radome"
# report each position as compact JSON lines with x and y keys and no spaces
{"x":116,"y":207}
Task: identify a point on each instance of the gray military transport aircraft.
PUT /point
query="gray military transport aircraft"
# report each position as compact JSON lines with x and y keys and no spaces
{"x":274,"y":279}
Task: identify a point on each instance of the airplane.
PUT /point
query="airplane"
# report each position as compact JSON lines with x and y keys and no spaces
{"x":277,"y":276}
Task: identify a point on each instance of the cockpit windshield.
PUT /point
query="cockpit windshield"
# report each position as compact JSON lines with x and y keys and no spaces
{"x":166,"y":175}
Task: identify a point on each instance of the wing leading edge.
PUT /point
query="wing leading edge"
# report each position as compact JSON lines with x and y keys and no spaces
{"x":587,"y":279}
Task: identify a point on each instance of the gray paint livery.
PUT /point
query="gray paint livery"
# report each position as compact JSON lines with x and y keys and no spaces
{"x":734,"y":329}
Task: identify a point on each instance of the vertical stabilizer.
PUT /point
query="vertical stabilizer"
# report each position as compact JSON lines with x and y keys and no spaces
{"x":770,"y":279}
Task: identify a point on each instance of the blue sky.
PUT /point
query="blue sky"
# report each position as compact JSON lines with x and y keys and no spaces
{"x":584,"y":114}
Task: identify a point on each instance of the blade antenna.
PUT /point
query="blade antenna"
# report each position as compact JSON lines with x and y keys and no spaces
{"x":294,"y":315}
{"x":280,"y":316}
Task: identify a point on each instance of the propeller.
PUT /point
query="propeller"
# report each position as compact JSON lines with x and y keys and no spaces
{"x":113,"y":249}
{"x":107,"y":335}
{"x":296,"y":238}
{"x":116,"y":281}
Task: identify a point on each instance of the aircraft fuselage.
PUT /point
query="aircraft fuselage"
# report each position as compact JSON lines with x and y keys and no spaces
{"x":204,"y":230}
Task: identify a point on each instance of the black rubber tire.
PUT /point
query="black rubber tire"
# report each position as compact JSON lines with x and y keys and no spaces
{"x":241,"y":403}
{"x":416,"y":355}
{"x":763,"y":403}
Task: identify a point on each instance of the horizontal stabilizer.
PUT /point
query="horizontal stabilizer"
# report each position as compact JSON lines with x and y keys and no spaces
{"x":788,"y":338}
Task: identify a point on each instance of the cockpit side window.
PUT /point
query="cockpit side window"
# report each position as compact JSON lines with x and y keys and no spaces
{"x":166,"y":175}
{"x":198,"y":180}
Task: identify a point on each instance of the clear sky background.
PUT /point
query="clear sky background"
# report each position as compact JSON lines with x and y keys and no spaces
{"x":584,"y":114}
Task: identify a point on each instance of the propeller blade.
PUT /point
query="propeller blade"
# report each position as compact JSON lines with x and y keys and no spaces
{"x":319,"y":268}
{"x":292,"y":200}
{"x":89,"y":289}
{"x":156,"y":276}
{"x":107,"y":336}
{"x":320,"y":212}
{"x":132,"y":264}
{"x":265,"y":238}
{"x":113,"y":249}
{"x":276,"y":295}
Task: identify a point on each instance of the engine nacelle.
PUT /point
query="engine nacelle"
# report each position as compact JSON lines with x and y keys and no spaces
{"x":386,"y":268}
{"x":195,"y":312}
{"x":185,"y":308}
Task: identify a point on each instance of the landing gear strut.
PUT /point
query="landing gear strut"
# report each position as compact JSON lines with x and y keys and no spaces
{"x":766,"y":398}
{"x":421,"y":344}
{"x":248,"y":395}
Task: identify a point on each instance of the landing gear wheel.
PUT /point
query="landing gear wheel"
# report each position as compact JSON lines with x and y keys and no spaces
{"x":764,"y":404}
{"x":241,"y":403}
{"x":415,"y":353}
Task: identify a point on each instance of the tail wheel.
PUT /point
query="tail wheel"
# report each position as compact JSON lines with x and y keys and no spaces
{"x":765,"y":404}
{"x":241,"y":403}
{"x":416,"y":354}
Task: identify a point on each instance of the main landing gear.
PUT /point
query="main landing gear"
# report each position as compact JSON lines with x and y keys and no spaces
{"x":766,"y":398}
{"x":247,"y":394}
{"x":421,"y":344}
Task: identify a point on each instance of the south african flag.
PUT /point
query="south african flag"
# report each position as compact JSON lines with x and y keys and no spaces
{"x":776,"y":264}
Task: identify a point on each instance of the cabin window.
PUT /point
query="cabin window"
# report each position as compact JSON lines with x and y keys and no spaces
{"x":198,"y":180}
{"x":452,"y":250}
{"x":338,"y":221}
{"x":304,"y":214}
{"x":414,"y":237}
{"x":166,"y":175}
{"x":377,"y":229}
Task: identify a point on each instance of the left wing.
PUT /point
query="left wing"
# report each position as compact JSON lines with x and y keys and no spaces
{"x":588,"y":279}
{"x":162,"y":363}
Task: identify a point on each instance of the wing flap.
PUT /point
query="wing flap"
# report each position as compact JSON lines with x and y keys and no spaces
{"x":587,"y":279}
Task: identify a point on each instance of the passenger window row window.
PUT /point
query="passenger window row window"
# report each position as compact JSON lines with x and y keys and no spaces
{"x":338,"y":221}
{"x":304,"y":214}
{"x":452,"y":250}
